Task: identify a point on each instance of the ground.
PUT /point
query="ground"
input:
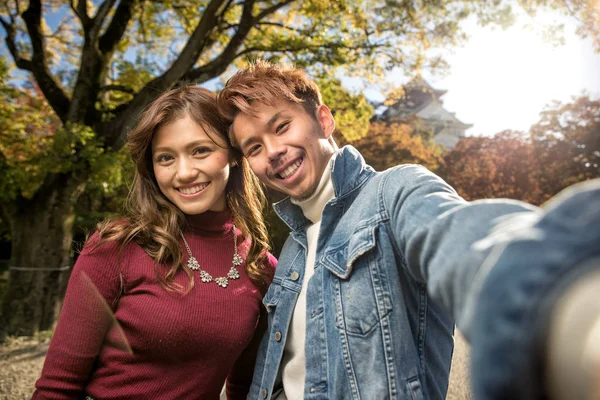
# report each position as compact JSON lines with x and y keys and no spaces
{"x":21,"y":362}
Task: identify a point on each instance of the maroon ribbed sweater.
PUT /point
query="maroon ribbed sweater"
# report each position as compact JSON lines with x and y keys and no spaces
{"x":155,"y":344}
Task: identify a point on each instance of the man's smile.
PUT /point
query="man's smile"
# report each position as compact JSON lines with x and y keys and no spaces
{"x":289,"y":170}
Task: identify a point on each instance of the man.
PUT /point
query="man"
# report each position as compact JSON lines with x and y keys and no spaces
{"x":379,"y":265}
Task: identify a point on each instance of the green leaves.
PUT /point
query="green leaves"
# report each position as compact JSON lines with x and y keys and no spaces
{"x":34,"y":143}
{"x":352,"y":112}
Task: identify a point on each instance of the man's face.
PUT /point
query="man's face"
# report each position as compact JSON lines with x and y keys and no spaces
{"x":286,"y":147}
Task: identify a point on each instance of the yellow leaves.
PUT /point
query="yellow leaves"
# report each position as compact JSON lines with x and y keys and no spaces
{"x":352,"y":112}
{"x":394,"y":93}
{"x":388,"y":145}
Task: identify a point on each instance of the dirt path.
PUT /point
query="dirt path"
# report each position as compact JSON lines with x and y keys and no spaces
{"x":21,"y":363}
{"x":460,"y":386}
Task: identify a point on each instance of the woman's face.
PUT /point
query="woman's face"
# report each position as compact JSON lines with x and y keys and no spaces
{"x":191,"y":170}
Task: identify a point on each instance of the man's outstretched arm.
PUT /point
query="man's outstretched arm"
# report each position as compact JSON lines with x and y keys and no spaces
{"x":537,"y":311}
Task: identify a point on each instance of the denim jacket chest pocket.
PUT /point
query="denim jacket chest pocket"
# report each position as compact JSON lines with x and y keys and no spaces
{"x":360,"y":283}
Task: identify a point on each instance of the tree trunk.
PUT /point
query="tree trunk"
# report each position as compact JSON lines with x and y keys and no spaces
{"x":41,"y":257}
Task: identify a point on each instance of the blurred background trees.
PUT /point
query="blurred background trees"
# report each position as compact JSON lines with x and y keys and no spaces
{"x":561,"y":149}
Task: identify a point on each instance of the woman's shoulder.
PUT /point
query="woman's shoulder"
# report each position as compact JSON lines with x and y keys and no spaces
{"x":270,"y":261}
{"x":108,"y":239}
{"x":107,"y":255}
{"x":269,"y":265}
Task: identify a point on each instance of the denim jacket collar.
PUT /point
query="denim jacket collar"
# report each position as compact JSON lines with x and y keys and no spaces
{"x":348,"y":172}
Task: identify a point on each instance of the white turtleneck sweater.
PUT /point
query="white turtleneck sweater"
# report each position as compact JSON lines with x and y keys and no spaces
{"x":293,"y":365}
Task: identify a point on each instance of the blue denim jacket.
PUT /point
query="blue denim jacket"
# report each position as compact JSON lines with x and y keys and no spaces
{"x":396,"y":257}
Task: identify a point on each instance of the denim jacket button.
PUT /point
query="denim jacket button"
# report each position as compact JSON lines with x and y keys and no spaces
{"x":278,"y":336}
{"x":295,"y":275}
{"x":264,"y":393}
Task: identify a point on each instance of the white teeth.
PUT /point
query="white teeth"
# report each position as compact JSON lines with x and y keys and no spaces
{"x":290,"y":170}
{"x":193,"y":189}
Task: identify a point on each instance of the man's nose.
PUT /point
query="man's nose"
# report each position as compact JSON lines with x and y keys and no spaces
{"x":274,"y":149}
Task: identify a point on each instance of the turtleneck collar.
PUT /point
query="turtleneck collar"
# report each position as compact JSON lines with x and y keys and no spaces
{"x":314,"y":205}
{"x":211,"y":222}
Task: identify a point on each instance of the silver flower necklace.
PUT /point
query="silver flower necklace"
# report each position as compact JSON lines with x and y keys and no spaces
{"x":205,"y":276}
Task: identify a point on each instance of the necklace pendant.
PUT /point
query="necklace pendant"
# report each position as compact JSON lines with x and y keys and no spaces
{"x":205,"y":276}
{"x":237,"y":259}
{"x":193,"y":264}
{"x":223,"y":282}
{"x":233,"y":273}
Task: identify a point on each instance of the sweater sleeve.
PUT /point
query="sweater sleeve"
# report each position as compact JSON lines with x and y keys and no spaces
{"x":240,"y":376}
{"x":86,"y":316}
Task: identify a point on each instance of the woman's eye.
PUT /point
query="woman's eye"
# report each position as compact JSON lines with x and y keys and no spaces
{"x":282,"y":127}
{"x":164,"y":158}
{"x":202,"y":150}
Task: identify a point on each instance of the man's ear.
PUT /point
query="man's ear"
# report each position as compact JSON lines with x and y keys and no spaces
{"x":326,"y":120}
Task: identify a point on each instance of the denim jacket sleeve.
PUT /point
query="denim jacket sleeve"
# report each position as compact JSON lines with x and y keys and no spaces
{"x":441,"y":237}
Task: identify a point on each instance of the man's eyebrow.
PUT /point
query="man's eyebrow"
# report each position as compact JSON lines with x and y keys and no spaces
{"x":274,"y":118}
{"x":246,"y":143}
{"x":268,"y":125}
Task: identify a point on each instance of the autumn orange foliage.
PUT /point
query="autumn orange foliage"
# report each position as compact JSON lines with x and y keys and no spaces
{"x":563,"y":148}
{"x":387,"y":145}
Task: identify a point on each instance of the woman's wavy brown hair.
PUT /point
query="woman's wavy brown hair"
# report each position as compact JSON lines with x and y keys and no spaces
{"x":155,"y":223}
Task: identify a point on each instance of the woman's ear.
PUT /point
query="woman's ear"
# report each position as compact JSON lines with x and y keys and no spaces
{"x":326,"y":120}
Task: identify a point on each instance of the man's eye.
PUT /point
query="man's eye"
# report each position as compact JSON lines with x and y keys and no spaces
{"x":252,"y":150}
{"x":282,"y":127}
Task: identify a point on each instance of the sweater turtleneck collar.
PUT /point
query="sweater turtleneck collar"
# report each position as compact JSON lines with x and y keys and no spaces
{"x":313,"y":206}
{"x":211,"y":222}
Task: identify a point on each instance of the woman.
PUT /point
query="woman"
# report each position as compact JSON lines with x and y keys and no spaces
{"x":164,"y":304}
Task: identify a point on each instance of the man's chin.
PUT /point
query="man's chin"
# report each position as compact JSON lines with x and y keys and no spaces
{"x":304,"y":194}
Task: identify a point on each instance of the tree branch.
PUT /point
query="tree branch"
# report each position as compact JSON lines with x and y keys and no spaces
{"x":12,"y":46}
{"x":80,"y":11}
{"x":39,"y":65}
{"x":99,"y":18}
{"x":193,"y":48}
{"x":303,"y":32}
{"x":272,"y":9}
{"x":17,"y":7}
{"x":227,"y":5}
{"x":118,"y":24}
{"x":114,"y":131}
{"x":282,"y":26}
{"x":300,"y":48}
{"x":118,"y":88}
{"x":218,"y":65}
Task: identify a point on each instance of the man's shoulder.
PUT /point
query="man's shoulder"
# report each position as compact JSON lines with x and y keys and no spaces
{"x":400,"y":175}
{"x":408,"y":171}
